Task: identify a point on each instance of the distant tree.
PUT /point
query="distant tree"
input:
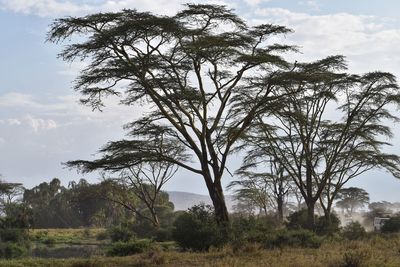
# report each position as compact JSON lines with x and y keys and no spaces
{"x":194,"y":71}
{"x":266,"y":190}
{"x":9,"y":192}
{"x":352,"y":198}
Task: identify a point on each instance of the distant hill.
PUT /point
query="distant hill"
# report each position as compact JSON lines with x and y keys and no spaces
{"x":185,"y":200}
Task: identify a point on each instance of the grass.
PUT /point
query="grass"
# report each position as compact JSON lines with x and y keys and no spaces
{"x":67,"y":236}
{"x":376,"y":251}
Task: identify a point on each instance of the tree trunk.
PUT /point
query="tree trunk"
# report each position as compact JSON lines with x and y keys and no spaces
{"x":310,"y":214}
{"x":280,"y":209}
{"x":218,"y":199}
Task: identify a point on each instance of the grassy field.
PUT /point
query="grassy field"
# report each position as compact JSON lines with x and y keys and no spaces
{"x":376,"y":251}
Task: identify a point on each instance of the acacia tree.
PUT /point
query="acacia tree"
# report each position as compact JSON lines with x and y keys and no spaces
{"x":352,"y":198}
{"x":319,"y":149}
{"x":193,"y":70}
{"x":141,"y":174}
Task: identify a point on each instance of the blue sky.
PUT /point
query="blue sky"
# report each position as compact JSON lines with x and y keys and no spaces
{"x":42,"y":125}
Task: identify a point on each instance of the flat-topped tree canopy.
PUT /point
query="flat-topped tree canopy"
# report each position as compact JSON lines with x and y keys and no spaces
{"x":193,"y":70}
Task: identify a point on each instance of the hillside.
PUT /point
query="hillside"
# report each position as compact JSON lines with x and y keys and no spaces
{"x":185,"y":200}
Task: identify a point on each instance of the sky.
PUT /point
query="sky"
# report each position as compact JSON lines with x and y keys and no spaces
{"x":42,"y":124}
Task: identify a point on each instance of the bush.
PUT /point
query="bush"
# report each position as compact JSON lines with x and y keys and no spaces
{"x":298,"y":220}
{"x":323,"y":226}
{"x":354,"y":231}
{"x":12,"y":250}
{"x":120,"y":234}
{"x":294,"y":238}
{"x":103,"y":235}
{"x":197,"y":229}
{"x":163,"y":234}
{"x":249,"y":230}
{"x":128,"y":248}
{"x":15,"y":235}
{"x":392,"y":225}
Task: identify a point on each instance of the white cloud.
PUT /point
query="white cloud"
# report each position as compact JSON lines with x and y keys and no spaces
{"x":14,"y":99}
{"x":55,"y":8}
{"x":369,"y":42}
{"x":38,"y":124}
{"x":253,"y":3}
{"x":44,"y":8}
{"x":14,"y":122}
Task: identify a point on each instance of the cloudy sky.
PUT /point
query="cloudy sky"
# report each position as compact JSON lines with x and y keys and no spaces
{"x":42,"y":125}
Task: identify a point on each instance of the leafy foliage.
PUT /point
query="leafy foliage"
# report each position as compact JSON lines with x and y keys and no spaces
{"x":354,"y":231}
{"x":392,"y":225}
{"x":197,"y":229}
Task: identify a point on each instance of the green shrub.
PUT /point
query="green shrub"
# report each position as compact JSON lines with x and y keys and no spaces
{"x":294,"y":238}
{"x":163,"y":234}
{"x":12,"y":250}
{"x":197,"y":229}
{"x":102,"y":235}
{"x":354,"y":231}
{"x":249,"y":229}
{"x":392,"y":225}
{"x":120,"y":233}
{"x":128,"y":248}
{"x":323,"y":226}
{"x":15,"y":235}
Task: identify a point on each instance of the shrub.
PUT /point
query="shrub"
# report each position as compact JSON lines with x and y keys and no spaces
{"x":13,"y":235}
{"x":120,"y":233}
{"x":102,"y":235}
{"x":163,"y":234}
{"x":294,"y":238}
{"x":198,"y":230}
{"x":392,"y":225}
{"x":298,"y":220}
{"x":12,"y":250}
{"x":323,"y":226}
{"x":128,"y":248}
{"x":354,"y":231}
{"x":249,"y":230}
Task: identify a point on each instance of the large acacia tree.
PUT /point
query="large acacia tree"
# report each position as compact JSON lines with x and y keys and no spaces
{"x":192,"y":70}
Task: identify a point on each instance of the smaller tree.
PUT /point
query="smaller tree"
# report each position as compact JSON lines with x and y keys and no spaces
{"x":352,"y":198}
{"x":141,"y":174}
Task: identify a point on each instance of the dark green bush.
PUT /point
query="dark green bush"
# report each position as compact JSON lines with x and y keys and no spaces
{"x":354,"y":231}
{"x":301,"y":238}
{"x":163,"y":234}
{"x":392,"y":225}
{"x":197,"y":229}
{"x":298,"y":220}
{"x":249,"y":229}
{"x":323,"y":226}
{"x":12,"y":250}
{"x":102,"y":235}
{"x":121,"y":233}
{"x":128,"y":248}
{"x":13,"y":235}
